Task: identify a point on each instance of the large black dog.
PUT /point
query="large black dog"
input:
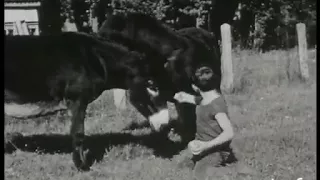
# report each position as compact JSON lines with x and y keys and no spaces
{"x":184,"y":50}
{"x":76,"y":68}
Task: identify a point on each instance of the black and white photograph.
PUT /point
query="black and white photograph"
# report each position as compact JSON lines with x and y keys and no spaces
{"x":160,"y":89}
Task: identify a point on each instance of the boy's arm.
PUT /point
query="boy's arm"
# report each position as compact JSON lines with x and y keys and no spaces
{"x":183,"y":97}
{"x":227,"y":131}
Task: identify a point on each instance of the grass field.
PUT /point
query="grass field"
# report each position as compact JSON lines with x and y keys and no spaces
{"x":274,"y":119}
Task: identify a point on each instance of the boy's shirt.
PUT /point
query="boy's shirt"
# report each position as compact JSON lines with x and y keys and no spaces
{"x":208,"y":127}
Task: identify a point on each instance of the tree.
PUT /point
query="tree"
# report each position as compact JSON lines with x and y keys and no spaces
{"x":263,"y":24}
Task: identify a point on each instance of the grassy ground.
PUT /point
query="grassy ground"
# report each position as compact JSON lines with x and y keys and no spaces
{"x":274,"y":117}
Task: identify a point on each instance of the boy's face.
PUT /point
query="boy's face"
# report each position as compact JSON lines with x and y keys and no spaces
{"x":204,"y":77}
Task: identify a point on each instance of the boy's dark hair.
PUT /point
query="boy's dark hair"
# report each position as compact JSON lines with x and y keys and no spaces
{"x":216,"y":77}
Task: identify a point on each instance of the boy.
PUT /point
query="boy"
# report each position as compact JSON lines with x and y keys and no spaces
{"x":214,"y":129}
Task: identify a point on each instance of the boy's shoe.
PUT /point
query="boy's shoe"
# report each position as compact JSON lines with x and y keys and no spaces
{"x":186,"y":163}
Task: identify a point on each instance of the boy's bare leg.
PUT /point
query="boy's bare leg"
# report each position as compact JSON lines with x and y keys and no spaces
{"x":207,"y":166}
{"x":186,"y":160}
{"x":240,"y":166}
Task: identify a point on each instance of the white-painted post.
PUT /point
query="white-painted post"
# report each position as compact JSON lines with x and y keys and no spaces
{"x":120,"y":100}
{"x":25,"y":28}
{"x":226,"y":59}
{"x":69,"y":26}
{"x":19,"y":27}
{"x":315,"y":56}
{"x":93,"y":21}
{"x":198,"y":22}
{"x":22,"y":27}
{"x":303,"y":52}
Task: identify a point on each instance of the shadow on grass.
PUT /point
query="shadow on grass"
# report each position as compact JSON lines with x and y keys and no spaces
{"x":137,"y":125}
{"x":57,"y":143}
{"x":173,"y":123}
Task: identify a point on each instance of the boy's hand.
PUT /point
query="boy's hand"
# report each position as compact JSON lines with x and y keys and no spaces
{"x":183,"y":97}
{"x":198,"y":147}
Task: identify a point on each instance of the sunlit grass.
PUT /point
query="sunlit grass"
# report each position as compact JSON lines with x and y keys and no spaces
{"x":273,"y":112}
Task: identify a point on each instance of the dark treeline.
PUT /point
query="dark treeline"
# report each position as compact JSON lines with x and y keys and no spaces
{"x":259,"y":24}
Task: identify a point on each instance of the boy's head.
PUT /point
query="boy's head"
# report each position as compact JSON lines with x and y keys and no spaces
{"x":206,"y":79}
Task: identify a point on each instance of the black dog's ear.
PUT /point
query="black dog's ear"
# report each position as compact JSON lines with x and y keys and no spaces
{"x":174,"y":55}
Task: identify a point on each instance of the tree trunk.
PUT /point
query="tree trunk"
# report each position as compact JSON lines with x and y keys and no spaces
{"x":49,"y":17}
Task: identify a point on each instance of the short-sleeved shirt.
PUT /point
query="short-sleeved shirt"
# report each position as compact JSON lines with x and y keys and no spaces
{"x":208,"y":127}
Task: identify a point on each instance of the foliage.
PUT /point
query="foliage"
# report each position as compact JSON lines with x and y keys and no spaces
{"x":268,"y":24}
{"x":274,"y":22}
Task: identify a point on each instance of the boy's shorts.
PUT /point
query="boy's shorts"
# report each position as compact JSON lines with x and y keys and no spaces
{"x":204,"y":166}
{"x":207,"y":162}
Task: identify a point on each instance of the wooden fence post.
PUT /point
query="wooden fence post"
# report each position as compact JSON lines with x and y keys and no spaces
{"x":226,"y":59}
{"x":303,"y":52}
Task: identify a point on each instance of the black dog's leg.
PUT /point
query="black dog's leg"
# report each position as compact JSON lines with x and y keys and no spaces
{"x":142,"y":109}
{"x":78,"y":109}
